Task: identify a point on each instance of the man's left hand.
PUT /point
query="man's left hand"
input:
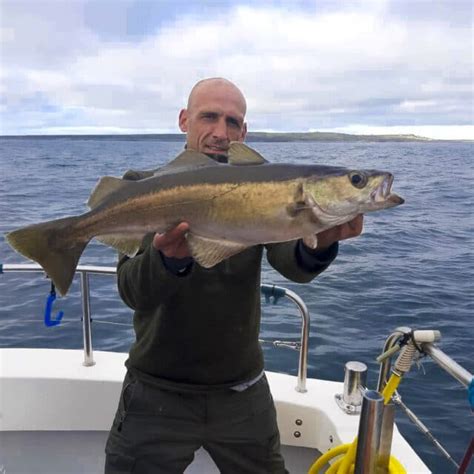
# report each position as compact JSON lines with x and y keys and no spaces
{"x":345,"y":231}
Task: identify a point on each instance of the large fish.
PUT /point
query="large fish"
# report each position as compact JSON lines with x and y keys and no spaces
{"x":229,"y":208}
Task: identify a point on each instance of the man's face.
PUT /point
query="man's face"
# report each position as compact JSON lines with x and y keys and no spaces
{"x":214,"y":118}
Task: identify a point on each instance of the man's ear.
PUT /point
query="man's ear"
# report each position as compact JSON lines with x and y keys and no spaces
{"x":183,"y":120}
{"x":244,"y":131}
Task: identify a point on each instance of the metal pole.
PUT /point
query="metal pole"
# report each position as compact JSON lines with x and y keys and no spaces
{"x":86,"y":320}
{"x":303,"y":359}
{"x":385,"y":366}
{"x":370,"y":428}
{"x":449,"y":365}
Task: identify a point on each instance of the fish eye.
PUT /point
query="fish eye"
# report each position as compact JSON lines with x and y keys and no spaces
{"x":358,"y":179}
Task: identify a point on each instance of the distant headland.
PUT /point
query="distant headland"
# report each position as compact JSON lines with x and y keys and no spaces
{"x":251,"y":137}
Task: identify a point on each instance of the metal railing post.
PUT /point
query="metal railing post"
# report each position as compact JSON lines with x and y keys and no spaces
{"x":86,"y":320}
{"x":278,"y":292}
{"x":303,"y":358}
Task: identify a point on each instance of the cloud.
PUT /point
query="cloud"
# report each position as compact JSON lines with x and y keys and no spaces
{"x":361,"y":64}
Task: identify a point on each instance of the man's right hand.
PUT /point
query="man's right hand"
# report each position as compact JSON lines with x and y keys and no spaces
{"x":173,"y":242}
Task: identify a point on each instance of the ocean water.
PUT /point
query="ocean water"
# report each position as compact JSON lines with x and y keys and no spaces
{"x":413,"y":266}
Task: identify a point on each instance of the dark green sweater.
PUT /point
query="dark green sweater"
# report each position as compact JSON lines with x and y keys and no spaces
{"x":200,"y":330}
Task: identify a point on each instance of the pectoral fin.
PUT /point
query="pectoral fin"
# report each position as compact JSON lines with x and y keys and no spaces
{"x":311,"y":241}
{"x":208,"y":252}
{"x":303,"y":200}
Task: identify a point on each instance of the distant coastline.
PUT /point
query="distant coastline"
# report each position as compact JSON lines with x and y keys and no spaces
{"x":251,"y":137}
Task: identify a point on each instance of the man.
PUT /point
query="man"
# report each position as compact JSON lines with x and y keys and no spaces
{"x":195,"y":372}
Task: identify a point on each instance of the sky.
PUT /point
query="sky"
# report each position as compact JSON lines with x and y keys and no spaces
{"x":127,"y":66}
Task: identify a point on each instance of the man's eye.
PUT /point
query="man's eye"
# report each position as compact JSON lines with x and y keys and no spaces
{"x":233,"y":123}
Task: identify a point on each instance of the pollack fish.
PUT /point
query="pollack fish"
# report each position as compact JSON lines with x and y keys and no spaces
{"x":229,"y":207}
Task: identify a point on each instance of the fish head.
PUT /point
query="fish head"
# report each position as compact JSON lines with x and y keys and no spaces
{"x":351,"y":192}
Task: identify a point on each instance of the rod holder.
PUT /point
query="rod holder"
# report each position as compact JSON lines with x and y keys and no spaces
{"x":386,"y":439}
{"x":370,"y":429}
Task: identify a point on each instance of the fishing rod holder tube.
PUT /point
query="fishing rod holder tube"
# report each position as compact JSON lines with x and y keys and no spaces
{"x":370,"y":430}
{"x":355,"y":376}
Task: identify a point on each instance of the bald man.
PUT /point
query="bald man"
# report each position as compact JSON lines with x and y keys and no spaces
{"x":195,"y":372}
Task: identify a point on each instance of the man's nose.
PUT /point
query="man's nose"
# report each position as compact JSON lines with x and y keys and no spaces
{"x":220,"y":129}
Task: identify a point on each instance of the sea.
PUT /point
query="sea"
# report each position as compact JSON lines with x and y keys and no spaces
{"x":412,"y":266}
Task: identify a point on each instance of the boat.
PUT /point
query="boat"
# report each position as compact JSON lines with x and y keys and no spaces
{"x":57,"y":405}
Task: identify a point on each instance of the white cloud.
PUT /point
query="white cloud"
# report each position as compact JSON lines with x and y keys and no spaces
{"x":299,"y":69}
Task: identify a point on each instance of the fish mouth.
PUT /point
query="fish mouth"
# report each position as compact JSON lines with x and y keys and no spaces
{"x":382,"y":193}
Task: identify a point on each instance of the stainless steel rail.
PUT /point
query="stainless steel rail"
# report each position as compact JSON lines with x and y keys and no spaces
{"x":86,"y":270}
{"x":390,"y":343}
{"x":437,"y":355}
{"x":449,"y":365}
{"x":303,"y":358}
{"x":430,"y":349}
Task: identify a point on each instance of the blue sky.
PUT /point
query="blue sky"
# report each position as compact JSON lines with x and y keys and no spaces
{"x":126,"y":66}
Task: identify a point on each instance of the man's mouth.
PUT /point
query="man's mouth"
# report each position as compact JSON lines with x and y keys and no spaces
{"x":217,"y":149}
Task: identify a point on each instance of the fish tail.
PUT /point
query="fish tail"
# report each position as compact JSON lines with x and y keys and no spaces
{"x":54,"y":246}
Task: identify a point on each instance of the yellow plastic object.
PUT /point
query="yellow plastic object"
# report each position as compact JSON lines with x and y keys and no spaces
{"x":392,"y":385}
{"x":345,"y":465}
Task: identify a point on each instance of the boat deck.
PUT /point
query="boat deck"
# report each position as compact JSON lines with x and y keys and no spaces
{"x":56,"y":413}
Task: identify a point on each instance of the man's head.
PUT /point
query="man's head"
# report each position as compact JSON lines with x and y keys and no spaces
{"x":214,"y":116}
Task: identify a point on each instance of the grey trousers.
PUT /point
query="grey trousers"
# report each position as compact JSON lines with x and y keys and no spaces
{"x":157,"y":431}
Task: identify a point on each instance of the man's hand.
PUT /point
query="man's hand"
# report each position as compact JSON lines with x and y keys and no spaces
{"x":345,"y":231}
{"x":173,"y":242}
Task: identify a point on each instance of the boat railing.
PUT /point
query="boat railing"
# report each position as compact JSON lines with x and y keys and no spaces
{"x":269,"y":291}
{"x":427,"y":348}
{"x":423,"y":347}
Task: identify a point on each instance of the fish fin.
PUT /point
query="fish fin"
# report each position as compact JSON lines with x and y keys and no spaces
{"x":187,"y":160}
{"x":209,"y":252}
{"x":53,"y":247}
{"x":303,"y":200}
{"x":311,"y":241}
{"x":137,"y":175}
{"x":127,"y":244}
{"x":190,"y":158}
{"x":241,"y":154}
{"x":106,"y":186}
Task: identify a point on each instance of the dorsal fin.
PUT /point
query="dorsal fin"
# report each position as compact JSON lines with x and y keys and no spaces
{"x":106,"y":186}
{"x":191,"y":158}
{"x":241,"y":154}
{"x":188,"y":159}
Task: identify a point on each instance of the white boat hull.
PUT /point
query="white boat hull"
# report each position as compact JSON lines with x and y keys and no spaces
{"x":55,"y":415}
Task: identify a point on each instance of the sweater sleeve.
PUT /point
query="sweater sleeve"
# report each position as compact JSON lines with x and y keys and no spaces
{"x":297,"y":262}
{"x":143,"y":281}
